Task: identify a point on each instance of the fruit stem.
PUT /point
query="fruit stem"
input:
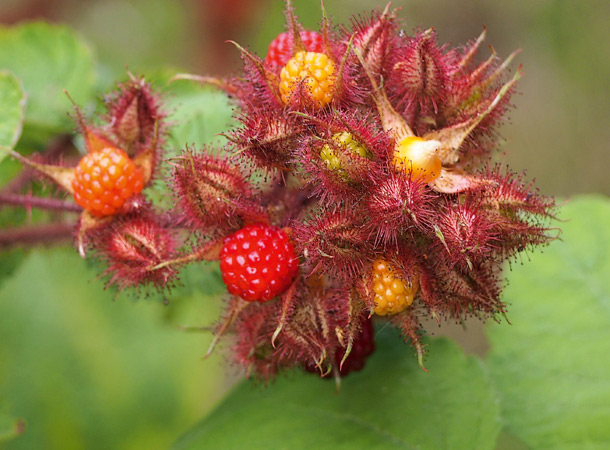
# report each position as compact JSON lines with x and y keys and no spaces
{"x":38,"y":202}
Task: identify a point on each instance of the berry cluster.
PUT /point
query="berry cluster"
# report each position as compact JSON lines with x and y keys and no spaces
{"x":379,"y":197}
{"x":122,"y":154}
{"x":378,"y":148}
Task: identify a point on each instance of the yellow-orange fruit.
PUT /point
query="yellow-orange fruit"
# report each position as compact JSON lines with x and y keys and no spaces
{"x":104,"y":180}
{"x":315,"y":70}
{"x":393,"y":294}
{"x":418,"y":157}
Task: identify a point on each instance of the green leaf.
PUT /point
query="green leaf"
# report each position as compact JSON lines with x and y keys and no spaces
{"x":200,"y":114}
{"x":552,"y":365}
{"x":10,"y":428}
{"x":48,"y":59}
{"x":392,"y":403}
{"x":12,"y":99}
{"x":87,"y":372}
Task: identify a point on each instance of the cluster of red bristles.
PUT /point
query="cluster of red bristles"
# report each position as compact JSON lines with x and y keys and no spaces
{"x":357,"y":186}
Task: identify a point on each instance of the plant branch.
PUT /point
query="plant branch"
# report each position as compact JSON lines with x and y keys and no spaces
{"x":38,"y":202}
{"x":41,"y":234}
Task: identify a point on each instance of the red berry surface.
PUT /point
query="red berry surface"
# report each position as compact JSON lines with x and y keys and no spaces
{"x":258,"y":262}
{"x":280,"y":49}
{"x":104,"y":180}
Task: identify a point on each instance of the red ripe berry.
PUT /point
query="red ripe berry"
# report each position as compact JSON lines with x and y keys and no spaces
{"x":362,"y":348}
{"x":280,"y":49}
{"x":258,"y":262}
{"x":104,"y":180}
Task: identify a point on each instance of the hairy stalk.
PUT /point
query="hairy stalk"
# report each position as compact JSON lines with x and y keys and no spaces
{"x":42,"y":234}
{"x":30,"y":201}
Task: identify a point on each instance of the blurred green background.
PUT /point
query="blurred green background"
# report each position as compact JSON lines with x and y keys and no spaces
{"x":79,"y":368}
{"x":558,"y":130}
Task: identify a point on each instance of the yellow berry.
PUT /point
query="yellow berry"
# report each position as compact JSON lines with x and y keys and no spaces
{"x":418,"y":157}
{"x":315,"y":70}
{"x":347,"y":141}
{"x":393,"y":294}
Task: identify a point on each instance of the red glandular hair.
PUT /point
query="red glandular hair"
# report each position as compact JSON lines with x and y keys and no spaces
{"x":343,"y":206}
{"x":449,"y":236}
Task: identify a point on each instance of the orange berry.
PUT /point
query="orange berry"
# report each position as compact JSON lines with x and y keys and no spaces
{"x":104,"y":180}
{"x":315,"y":70}
{"x":392,"y":293}
{"x":418,"y":157}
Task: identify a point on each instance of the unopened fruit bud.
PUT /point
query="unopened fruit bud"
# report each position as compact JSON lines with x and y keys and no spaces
{"x":133,"y":247}
{"x":134,"y":113}
{"x":207,"y":187}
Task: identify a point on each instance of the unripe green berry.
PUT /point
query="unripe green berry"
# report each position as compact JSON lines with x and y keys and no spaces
{"x":347,"y":141}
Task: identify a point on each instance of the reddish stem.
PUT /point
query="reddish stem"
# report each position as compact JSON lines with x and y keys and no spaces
{"x":38,"y":202}
{"x":42,"y":234}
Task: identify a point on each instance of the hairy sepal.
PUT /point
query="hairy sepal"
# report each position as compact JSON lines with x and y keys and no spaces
{"x":334,"y":242}
{"x":398,"y":207}
{"x":209,"y":190}
{"x":267,"y":138}
{"x":131,"y":246}
{"x":418,"y":78}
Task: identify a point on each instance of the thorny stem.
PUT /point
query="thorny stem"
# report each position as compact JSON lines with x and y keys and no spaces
{"x":38,"y":202}
{"x":42,"y":234}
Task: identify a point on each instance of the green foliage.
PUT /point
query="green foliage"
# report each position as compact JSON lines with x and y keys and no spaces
{"x":48,"y":59}
{"x":551,"y":366}
{"x":199,"y":114}
{"x":86,"y":372}
{"x":10,"y":427}
{"x":392,"y":403}
{"x":12,"y":99}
